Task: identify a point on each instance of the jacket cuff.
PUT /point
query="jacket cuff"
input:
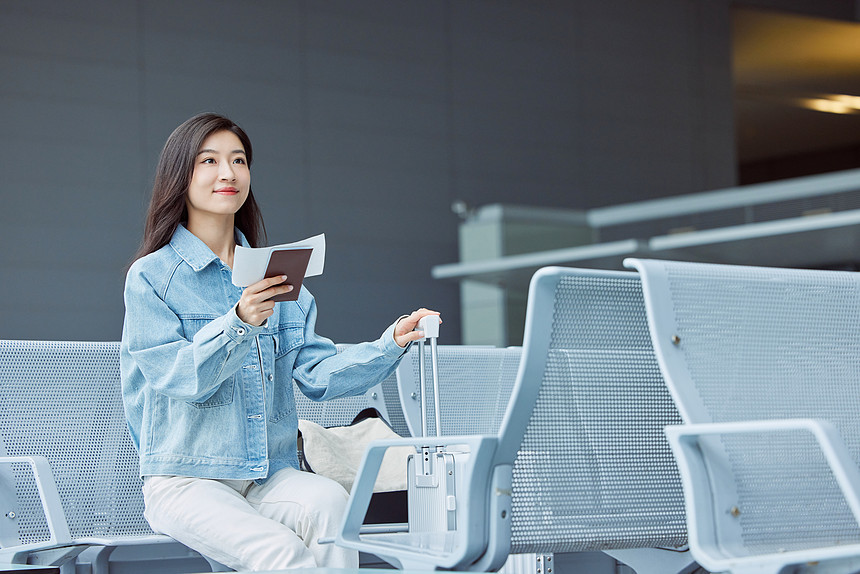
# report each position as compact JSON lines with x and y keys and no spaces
{"x":240,"y":331}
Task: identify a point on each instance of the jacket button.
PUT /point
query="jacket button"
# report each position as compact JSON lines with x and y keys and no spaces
{"x":240,"y":331}
{"x":271,"y":377}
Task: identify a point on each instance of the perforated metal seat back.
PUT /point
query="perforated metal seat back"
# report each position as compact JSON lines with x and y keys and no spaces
{"x":594,"y":470}
{"x":62,"y":400}
{"x":341,"y":412}
{"x":475,"y":384}
{"x":752,"y":343}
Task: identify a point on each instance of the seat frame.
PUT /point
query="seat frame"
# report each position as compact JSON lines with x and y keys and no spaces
{"x":59,"y":545}
{"x":709,"y":481}
{"x":482,"y":540}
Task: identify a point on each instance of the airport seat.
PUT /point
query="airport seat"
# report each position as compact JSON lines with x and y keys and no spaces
{"x":69,"y":475}
{"x":579,"y":461}
{"x":384,"y":398}
{"x":764,"y":365}
{"x":69,"y":469}
{"x":475,"y":384}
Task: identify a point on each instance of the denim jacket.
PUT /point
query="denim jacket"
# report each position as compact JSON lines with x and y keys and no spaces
{"x":210,"y":396}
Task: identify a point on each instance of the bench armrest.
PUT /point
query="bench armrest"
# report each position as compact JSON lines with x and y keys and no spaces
{"x":703,"y":469}
{"x":49,"y":495}
{"x":475,"y":536}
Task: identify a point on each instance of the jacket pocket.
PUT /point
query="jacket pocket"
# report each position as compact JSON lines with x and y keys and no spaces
{"x":223,"y":396}
{"x":283,"y":401}
{"x":289,"y":338}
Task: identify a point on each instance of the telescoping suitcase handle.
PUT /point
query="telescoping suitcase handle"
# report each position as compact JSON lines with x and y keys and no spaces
{"x":432,"y":480}
{"x":430,"y":326}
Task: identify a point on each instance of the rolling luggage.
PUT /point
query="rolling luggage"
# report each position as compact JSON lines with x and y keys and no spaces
{"x":432,"y":472}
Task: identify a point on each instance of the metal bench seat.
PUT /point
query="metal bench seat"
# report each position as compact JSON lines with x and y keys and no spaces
{"x":764,"y":365}
{"x":69,"y":474}
{"x":578,"y":460}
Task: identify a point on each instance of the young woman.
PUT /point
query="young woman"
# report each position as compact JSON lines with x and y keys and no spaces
{"x":207,"y":369}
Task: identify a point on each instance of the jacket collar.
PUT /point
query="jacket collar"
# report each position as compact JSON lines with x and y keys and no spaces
{"x":193,"y":251}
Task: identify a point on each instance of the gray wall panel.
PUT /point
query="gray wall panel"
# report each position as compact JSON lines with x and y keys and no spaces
{"x":368,"y":119}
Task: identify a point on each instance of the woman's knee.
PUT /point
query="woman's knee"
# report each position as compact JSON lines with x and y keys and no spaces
{"x":303,"y":501}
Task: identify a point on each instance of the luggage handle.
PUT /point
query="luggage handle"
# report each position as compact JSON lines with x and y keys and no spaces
{"x":429,"y":325}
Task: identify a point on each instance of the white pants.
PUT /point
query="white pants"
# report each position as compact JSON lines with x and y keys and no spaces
{"x":252,"y":527}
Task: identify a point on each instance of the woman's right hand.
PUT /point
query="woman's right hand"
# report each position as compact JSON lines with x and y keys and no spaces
{"x":256,"y":305}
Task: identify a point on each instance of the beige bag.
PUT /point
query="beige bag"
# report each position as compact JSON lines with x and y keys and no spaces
{"x":336,"y":452}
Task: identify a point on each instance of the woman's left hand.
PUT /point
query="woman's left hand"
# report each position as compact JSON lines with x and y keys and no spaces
{"x":404,"y":332}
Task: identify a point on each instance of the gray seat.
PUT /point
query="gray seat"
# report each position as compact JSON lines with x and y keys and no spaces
{"x":581,"y":442}
{"x":69,"y":475}
{"x":383,"y":397}
{"x":764,"y":365}
{"x":69,"y":469}
{"x":475,"y":384}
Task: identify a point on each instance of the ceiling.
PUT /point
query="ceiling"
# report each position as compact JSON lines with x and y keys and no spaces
{"x":781,"y":62}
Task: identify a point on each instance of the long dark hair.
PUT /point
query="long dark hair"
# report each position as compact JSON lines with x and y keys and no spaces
{"x":173,"y":175}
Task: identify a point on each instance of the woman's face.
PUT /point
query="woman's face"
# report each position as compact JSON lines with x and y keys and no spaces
{"x":221,"y":179}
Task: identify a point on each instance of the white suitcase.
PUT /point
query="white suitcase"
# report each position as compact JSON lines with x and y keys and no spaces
{"x":432,"y":473}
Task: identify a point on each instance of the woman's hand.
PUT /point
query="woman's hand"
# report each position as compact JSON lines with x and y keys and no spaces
{"x":404,"y":332}
{"x":256,"y":305}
